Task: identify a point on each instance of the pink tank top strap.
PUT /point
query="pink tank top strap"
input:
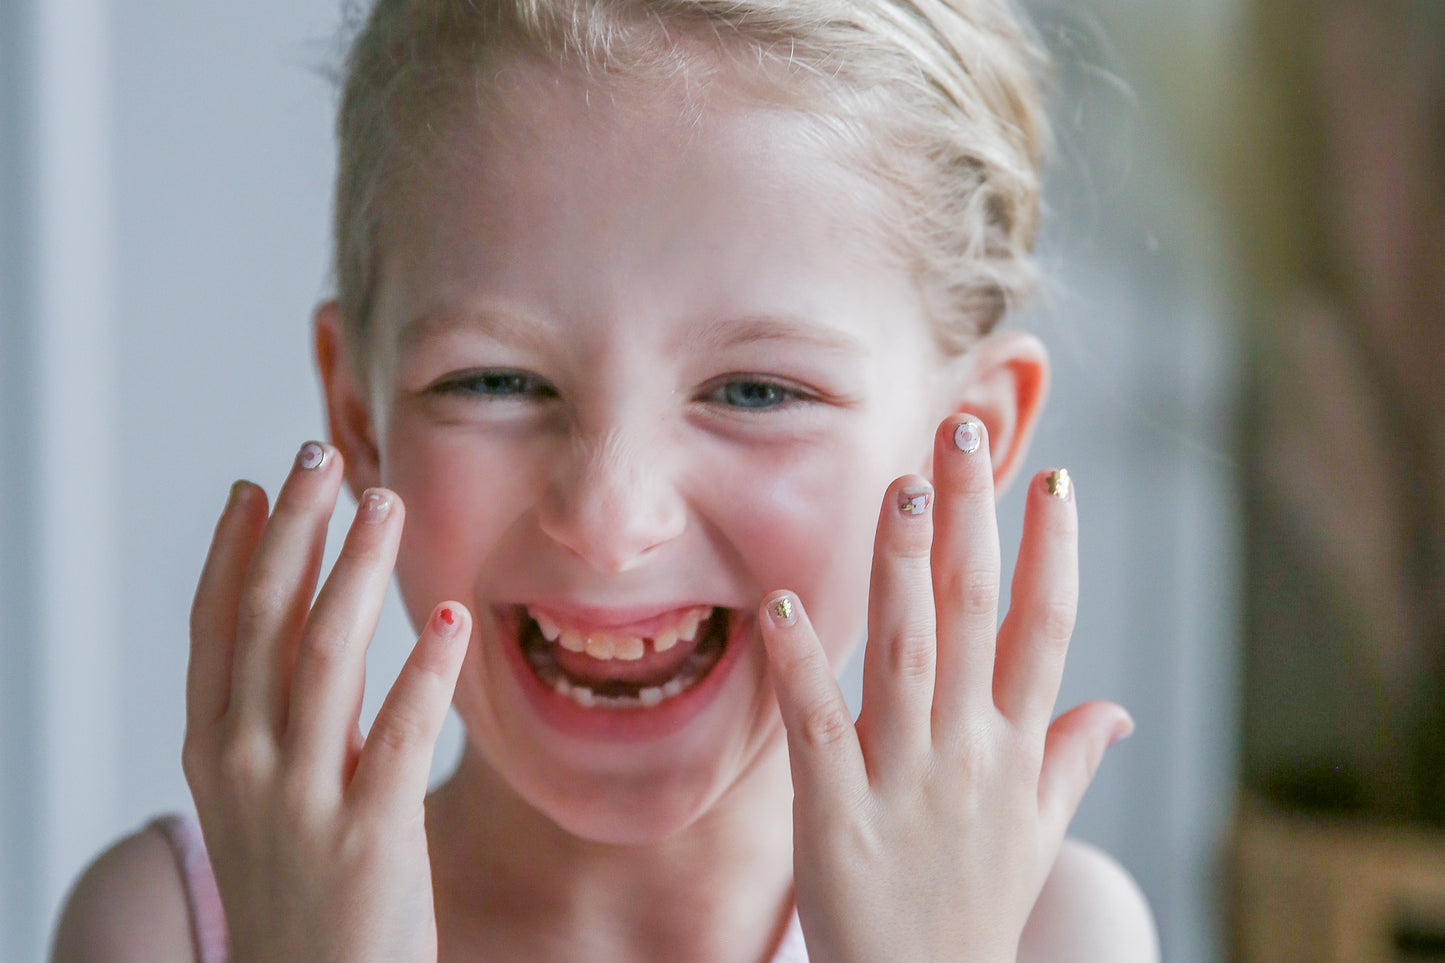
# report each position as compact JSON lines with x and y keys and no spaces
{"x":208,"y":921}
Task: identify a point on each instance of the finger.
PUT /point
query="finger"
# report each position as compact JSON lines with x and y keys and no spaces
{"x":823,"y":748}
{"x":279,"y":587}
{"x":898,"y":664}
{"x":965,"y":574}
{"x":213,"y":611}
{"x":396,"y":758}
{"x":1074,"y":748}
{"x":1043,"y":601}
{"x":330,"y":673}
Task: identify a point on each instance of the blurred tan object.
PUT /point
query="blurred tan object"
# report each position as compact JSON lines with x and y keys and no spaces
{"x":1318,"y":889}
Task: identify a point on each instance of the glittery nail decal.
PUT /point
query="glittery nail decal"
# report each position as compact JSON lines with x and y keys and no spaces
{"x":781,"y":609}
{"x":374,"y":505}
{"x":914,"y":501}
{"x":1059,"y":483}
{"x":968,"y":436}
{"x":312,"y":456}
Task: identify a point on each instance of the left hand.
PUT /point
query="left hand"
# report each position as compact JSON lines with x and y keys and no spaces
{"x":926,"y":831}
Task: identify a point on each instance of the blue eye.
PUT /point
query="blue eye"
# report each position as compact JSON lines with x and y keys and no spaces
{"x":757,"y":395}
{"x":497,"y":384}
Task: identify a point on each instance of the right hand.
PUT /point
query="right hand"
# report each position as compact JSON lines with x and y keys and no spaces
{"x":317,"y":838}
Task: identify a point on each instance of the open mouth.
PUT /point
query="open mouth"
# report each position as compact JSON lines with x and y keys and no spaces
{"x":597,"y":669}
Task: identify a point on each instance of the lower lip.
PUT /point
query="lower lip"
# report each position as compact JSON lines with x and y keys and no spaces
{"x":623,"y":725}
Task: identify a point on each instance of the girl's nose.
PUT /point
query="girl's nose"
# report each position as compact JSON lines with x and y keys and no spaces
{"x":612,"y":504}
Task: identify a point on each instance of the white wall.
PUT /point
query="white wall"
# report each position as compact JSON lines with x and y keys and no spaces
{"x":164,"y":190}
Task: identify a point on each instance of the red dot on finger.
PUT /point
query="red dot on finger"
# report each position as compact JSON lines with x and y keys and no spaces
{"x":447,"y":616}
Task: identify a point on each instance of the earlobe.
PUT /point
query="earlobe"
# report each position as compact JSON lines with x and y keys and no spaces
{"x":1003,"y":381}
{"x":348,"y":408}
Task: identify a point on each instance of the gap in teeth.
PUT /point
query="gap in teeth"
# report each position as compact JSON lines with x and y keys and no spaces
{"x":604,"y":645}
{"x":692,"y":670}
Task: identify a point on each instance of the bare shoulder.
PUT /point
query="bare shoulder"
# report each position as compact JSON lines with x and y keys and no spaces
{"x":129,"y":904}
{"x":1090,"y":910}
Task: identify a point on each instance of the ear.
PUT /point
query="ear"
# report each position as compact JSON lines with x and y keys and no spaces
{"x":1003,"y":381}
{"x":348,"y":407}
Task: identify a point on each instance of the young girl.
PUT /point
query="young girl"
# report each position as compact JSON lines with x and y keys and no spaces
{"x":643,"y":304}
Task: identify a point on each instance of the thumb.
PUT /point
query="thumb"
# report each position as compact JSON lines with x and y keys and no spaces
{"x":1073,"y":749}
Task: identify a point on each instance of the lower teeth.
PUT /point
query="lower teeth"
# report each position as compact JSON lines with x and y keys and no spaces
{"x":645,"y":699}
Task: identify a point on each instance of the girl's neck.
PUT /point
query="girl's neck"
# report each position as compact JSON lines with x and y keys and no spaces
{"x":511,"y":884}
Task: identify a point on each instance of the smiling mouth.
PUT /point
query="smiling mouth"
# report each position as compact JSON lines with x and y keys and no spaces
{"x":599,"y":670}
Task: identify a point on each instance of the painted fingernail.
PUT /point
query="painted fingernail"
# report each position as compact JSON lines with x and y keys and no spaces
{"x":446,"y":622}
{"x":1123,"y":729}
{"x":312,"y":456}
{"x":914,"y":501}
{"x":782,"y":610}
{"x":1059,"y":483}
{"x":968,"y":436}
{"x":374,"y":505}
{"x":238,"y":489}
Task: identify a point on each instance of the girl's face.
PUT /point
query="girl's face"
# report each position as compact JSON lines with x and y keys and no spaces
{"x":636,"y":364}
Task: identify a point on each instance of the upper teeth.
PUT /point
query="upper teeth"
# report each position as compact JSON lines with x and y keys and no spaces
{"x":606,"y":645}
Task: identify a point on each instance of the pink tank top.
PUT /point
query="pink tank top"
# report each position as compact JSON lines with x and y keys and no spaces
{"x":208,"y":922}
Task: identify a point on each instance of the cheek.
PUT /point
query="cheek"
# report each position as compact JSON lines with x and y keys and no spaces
{"x":805,"y":519}
{"x":456,"y":507}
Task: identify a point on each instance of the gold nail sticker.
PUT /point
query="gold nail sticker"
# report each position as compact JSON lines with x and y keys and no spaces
{"x":783,"y":608}
{"x":913,"y":503}
{"x":1059,"y":483}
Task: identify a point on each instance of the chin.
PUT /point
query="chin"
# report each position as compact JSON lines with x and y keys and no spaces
{"x":628,"y":818}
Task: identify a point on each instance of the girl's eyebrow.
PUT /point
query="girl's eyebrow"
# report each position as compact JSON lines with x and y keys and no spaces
{"x":714,"y":337}
{"x":754,"y":329}
{"x":499,"y":326}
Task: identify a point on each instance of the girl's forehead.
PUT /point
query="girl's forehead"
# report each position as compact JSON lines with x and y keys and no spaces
{"x":637,"y":149}
{"x":572,"y":198}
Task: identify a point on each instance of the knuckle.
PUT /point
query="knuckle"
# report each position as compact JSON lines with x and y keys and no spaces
{"x":978,"y":591}
{"x":1056,"y":621}
{"x":245,"y":761}
{"x":366,"y":544}
{"x":263,"y":595}
{"x":910,"y":539}
{"x":913,"y":548}
{"x":325,"y":644}
{"x":195,"y":759}
{"x":400,"y":732}
{"x":824,"y":724}
{"x":911,"y":657}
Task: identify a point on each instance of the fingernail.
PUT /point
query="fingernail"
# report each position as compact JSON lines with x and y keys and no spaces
{"x":374,"y":505}
{"x":1123,"y":729}
{"x":238,"y":489}
{"x":446,"y":622}
{"x":782,"y":610}
{"x":968,"y":436}
{"x":312,"y":456}
{"x":1059,"y":483}
{"x":914,"y":501}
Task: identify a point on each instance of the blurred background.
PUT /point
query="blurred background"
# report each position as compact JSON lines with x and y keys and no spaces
{"x":1246,"y":245}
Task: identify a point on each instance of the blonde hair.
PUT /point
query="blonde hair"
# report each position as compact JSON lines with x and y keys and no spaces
{"x":939,"y":98}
